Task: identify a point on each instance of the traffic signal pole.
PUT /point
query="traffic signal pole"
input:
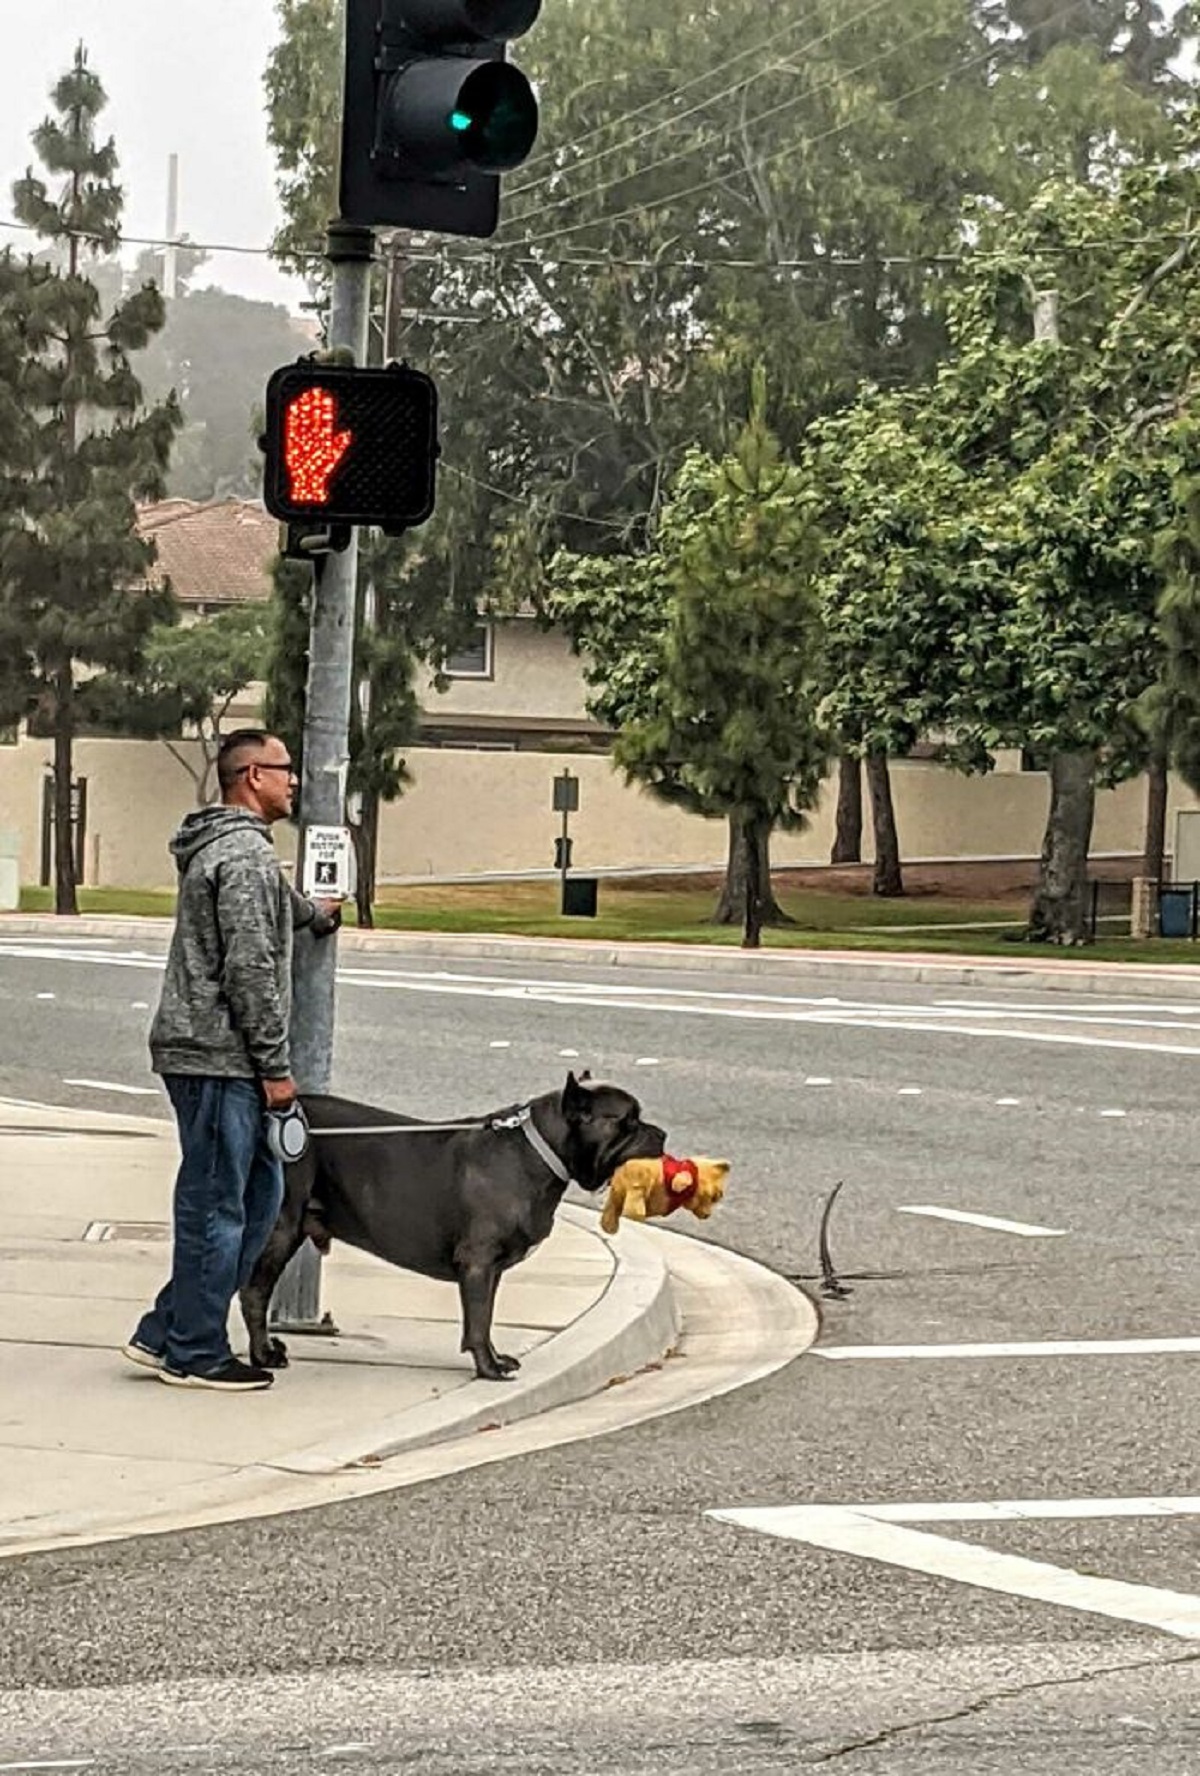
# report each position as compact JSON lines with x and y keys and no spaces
{"x":433,"y":116}
{"x":296,"y":1305}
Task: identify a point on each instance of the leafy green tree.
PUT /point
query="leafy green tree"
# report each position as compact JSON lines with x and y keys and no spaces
{"x":193,"y":672}
{"x":706,"y":654}
{"x":908,"y":596}
{"x":1171,"y":710}
{"x":72,"y":566}
{"x":1033,"y":481}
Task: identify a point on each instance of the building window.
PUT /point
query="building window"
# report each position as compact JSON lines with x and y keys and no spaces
{"x":10,"y":733}
{"x":474,"y":658}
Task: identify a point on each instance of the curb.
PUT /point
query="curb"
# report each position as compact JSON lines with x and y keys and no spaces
{"x":741,"y":1324}
{"x":633,"y":1326}
{"x":634,"y":1323}
{"x":1119,"y":979}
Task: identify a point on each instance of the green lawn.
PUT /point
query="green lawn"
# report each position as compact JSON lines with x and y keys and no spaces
{"x":663,"y":911}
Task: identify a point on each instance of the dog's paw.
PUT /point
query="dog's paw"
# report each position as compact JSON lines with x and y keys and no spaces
{"x":276,"y":1355}
{"x":495,"y":1367}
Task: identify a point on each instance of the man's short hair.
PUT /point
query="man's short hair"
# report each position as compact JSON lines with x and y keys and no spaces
{"x":238,"y":750}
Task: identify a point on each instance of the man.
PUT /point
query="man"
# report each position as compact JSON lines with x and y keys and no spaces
{"x":220,"y":1041}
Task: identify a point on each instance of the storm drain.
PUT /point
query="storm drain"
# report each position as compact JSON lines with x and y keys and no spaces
{"x":101,"y":1232}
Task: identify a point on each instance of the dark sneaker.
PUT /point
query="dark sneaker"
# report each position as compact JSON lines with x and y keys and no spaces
{"x":142,"y":1355}
{"x":233,"y":1377}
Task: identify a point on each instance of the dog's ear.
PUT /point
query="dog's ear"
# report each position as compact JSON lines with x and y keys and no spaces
{"x":576,"y":1100}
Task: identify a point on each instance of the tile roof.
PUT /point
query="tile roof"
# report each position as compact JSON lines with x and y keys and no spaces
{"x":219,"y":553}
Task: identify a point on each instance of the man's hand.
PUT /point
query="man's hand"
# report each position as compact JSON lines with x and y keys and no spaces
{"x":279,"y":1093}
{"x":332,"y":909}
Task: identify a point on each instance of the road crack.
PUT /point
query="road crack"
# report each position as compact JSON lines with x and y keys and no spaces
{"x":1011,"y":1693}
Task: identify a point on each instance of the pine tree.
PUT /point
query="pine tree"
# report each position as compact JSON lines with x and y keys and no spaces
{"x":72,"y":566}
{"x":736,"y":727}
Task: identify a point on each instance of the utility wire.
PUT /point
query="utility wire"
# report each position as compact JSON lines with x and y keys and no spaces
{"x":771,"y":159}
{"x":675,"y":93}
{"x":591,"y":260}
{"x":715,"y":138}
{"x":573,"y":167}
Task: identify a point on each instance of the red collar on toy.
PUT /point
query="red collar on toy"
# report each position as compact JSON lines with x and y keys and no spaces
{"x":681,"y":1178}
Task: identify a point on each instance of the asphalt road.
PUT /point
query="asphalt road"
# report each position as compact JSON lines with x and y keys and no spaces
{"x":581,"y":1610}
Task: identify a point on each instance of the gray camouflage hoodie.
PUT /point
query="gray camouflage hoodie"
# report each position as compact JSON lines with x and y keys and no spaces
{"x":226,"y":998}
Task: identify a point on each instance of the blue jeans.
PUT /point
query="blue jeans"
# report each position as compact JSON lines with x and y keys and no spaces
{"x":227,"y":1197}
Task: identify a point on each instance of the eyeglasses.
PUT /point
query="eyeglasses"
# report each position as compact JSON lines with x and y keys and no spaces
{"x":261,"y":765}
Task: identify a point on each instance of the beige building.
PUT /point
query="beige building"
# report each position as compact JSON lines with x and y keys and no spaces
{"x":489,"y":748}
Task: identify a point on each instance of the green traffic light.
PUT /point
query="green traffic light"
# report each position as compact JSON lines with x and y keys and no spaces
{"x":460,"y":121}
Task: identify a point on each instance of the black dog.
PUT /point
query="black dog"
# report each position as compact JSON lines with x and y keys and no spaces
{"x":462,"y":1205}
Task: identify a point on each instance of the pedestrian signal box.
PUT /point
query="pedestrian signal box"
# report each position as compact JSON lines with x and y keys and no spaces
{"x":349,"y":446}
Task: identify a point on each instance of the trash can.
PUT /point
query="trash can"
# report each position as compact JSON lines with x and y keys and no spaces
{"x":579,"y":897}
{"x":1175,"y":910}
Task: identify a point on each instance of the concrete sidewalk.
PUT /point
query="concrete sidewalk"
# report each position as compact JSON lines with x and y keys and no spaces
{"x":91,"y":1445}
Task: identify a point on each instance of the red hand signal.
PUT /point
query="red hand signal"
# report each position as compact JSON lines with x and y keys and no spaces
{"x":312,"y":446}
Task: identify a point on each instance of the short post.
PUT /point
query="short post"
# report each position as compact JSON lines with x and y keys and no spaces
{"x":566,"y":803}
{"x":1141,"y":908}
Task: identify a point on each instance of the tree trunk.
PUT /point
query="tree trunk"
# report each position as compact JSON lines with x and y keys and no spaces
{"x":756,"y":878}
{"x":1156,"y":818}
{"x":889,"y":877}
{"x":65,"y":900}
{"x":1058,"y":914}
{"x":731,"y":908}
{"x":366,"y":852}
{"x":847,"y":843}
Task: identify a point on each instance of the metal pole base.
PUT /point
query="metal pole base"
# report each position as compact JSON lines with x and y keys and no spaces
{"x":322,"y":1328}
{"x":296,"y":1303}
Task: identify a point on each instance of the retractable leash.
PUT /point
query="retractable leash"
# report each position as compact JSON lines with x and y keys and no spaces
{"x":289,"y":1133}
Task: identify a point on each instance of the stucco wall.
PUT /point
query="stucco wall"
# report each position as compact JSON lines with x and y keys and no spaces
{"x":534,"y":673}
{"x":472,"y":811}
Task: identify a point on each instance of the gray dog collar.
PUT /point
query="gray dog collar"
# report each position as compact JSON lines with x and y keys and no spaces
{"x":523,"y":1120}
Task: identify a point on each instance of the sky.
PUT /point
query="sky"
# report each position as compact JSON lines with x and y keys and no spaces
{"x":183,"y":77}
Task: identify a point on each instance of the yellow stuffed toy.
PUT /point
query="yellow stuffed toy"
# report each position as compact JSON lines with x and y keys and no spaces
{"x":642,"y":1189}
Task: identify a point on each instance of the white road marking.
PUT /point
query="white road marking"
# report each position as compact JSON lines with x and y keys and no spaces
{"x":910,"y":1091}
{"x":108,"y":1085}
{"x":865,"y":1530}
{"x":139,"y":1005}
{"x":922,"y":1019}
{"x":54,"y":1764}
{"x":1033,"y":1510}
{"x":646,"y":1061}
{"x":499,"y":1044}
{"x":1114,"y":1113}
{"x":818,"y":1081}
{"x":1008,"y":1103}
{"x":569,"y":1054}
{"x":47,"y":995}
{"x":1049,"y":1347}
{"x":1026,"y":1229}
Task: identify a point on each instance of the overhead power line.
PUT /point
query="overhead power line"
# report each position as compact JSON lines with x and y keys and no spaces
{"x":714,"y":138}
{"x":574,"y":167}
{"x":782,"y":154}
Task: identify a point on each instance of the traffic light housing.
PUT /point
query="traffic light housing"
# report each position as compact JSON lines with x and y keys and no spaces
{"x":348,"y":446}
{"x":434,"y":113}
